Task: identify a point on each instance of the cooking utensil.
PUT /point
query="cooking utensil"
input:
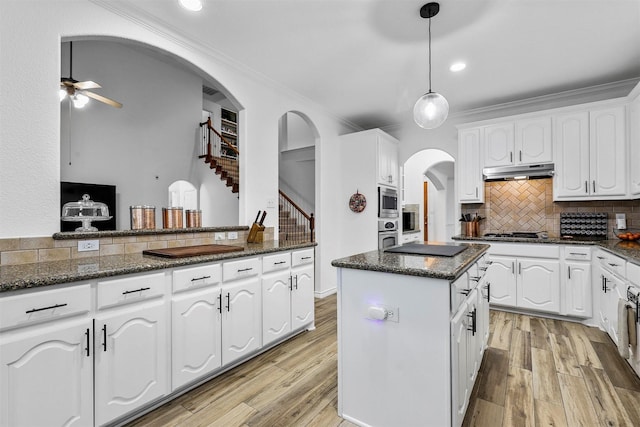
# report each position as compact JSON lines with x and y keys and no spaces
{"x":255,"y":233}
{"x":264,"y":214}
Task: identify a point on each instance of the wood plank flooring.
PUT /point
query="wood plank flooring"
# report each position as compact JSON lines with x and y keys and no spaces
{"x":536,"y":372}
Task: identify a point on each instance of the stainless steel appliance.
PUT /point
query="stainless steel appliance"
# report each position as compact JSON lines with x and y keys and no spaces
{"x":387,"y":202}
{"x":506,"y":173}
{"x":387,"y":233}
{"x":409,"y":222}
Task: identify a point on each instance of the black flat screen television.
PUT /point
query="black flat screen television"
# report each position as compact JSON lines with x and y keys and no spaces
{"x":73,"y":191}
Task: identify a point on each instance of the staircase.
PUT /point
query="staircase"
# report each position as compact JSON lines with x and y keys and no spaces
{"x":222,"y":157}
{"x":294,"y":224}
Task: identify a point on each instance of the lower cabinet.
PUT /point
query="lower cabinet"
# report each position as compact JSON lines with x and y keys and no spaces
{"x":241,"y":319}
{"x":46,"y":376}
{"x":131,"y":359}
{"x":577,"y":289}
{"x":614,"y":289}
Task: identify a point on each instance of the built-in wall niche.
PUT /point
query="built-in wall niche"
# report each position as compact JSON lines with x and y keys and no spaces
{"x":149,"y":143}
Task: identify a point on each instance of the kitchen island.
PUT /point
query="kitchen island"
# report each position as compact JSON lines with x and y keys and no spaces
{"x":411,"y":332}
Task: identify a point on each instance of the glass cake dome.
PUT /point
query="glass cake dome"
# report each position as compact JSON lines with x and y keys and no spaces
{"x":85,"y":211}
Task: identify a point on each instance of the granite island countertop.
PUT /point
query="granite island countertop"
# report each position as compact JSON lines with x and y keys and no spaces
{"x":439,"y":267}
{"x":34,"y":275}
{"x":628,"y":250}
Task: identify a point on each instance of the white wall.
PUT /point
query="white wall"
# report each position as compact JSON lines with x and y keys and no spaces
{"x":297,"y":161}
{"x":30,"y":36}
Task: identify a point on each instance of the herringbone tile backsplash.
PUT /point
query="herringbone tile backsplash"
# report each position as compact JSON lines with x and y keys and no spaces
{"x":528,"y":206}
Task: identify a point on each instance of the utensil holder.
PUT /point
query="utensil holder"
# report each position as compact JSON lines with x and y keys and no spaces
{"x":471,"y":228}
{"x":256,"y":233}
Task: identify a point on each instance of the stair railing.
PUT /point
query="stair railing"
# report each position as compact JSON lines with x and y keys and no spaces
{"x":209,"y":154}
{"x":221,"y":155}
{"x":298,"y":226}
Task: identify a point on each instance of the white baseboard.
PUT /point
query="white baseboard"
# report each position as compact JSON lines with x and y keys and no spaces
{"x":325,"y":293}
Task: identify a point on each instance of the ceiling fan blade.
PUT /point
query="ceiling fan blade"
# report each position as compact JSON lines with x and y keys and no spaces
{"x":87,"y":85}
{"x":103,"y":99}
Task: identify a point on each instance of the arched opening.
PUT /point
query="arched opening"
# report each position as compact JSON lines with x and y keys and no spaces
{"x":297,"y":138}
{"x":154,"y":139}
{"x":429,"y":192}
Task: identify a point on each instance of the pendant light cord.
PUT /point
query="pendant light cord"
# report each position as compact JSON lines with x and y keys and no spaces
{"x":429,"y":55}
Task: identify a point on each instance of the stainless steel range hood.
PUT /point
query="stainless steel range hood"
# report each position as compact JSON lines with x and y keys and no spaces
{"x":506,"y":173}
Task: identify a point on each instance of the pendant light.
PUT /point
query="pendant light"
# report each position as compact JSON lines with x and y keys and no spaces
{"x":431,"y":109}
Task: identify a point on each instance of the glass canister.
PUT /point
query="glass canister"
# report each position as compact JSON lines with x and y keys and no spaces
{"x":194,"y":218}
{"x":172,"y":217}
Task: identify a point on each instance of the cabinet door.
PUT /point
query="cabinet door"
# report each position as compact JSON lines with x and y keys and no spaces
{"x":539,"y":284}
{"x":459,"y":383}
{"x":196,"y":343}
{"x":473,"y":339}
{"x":577,"y":289}
{"x":387,"y":162}
{"x":571,"y":155}
{"x":469,"y":170}
{"x":46,"y":376}
{"x":533,"y":141}
{"x":599,"y":302}
{"x":484,"y":290}
{"x":276,"y":306}
{"x":302,"y":307}
{"x":614,"y":291}
{"x":241,"y":319}
{"x":634,"y":144}
{"x":608,"y":152}
{"x":131,"y":359}
{"x":499,"y":145}
{"x":501,"y":275}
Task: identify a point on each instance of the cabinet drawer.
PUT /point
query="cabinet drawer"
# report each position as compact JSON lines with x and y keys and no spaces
{"x":41,"y":306}
{"x":302,"y":257}
{"x":612,"y":263}
{"x":542,"y":250}
{"x":578,"y":253}
{"x":459,"y":291}
{"x":239,"y":269}
{"x":196,"y":277}
{"x":130,"y":289}
{"x":275,"y":262}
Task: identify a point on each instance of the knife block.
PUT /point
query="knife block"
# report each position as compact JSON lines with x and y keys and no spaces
{"x":256,"y":233}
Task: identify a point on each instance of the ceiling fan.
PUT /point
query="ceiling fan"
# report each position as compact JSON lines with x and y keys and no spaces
{"x":77,"y":91}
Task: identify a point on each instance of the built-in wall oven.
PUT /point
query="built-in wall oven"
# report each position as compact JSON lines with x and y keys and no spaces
{"x":387,"y":202}
{"x":387,"y":233}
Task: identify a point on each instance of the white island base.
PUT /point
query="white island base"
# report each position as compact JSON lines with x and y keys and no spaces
{"x":402,"y":350}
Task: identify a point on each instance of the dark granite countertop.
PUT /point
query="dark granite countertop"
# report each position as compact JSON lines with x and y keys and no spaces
{"x":628,"y":250}
{"x":67,"y":235}
{"x":439,"y":267}
{"x":23,"y":276}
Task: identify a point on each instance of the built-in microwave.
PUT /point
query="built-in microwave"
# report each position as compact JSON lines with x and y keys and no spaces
{"x":387,"y":202}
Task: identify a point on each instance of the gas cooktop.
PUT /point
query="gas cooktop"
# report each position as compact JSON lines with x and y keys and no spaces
{"x":517,"y":234}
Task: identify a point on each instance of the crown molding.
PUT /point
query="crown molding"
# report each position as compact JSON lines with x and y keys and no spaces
{"x":175,"y":35}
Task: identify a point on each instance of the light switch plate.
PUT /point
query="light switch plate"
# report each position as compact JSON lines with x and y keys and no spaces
{"x":88,"y":245}
{"x":219,"y":236}
{"x":233,"y":235}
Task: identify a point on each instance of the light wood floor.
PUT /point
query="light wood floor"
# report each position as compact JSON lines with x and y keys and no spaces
{"x":536,"y":372}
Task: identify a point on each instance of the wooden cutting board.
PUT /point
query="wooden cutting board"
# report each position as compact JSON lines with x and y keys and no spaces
{"x":188,"y":251}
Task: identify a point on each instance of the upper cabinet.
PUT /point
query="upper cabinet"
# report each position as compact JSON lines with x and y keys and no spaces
{"x":590,"y":155}
{"x":634,"y":144}
{"x":387,"y":161}
{"x":468,"y":167}
{"x":519,"y":142}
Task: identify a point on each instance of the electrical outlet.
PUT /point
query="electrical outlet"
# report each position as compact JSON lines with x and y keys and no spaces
{"x":219,"y":236}
{"x":88,"y":245}
{"x":233,"y":235}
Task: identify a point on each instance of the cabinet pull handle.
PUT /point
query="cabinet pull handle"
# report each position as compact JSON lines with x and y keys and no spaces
{"x":569,"y":271}
{"x":488,"y":292}
{"x":104,"y":337}
{"x":520,"y":269}
{"x":306,"y":257}
{"x":476,"y":192}
{"x":600,"y":257}
{"x":472,"y":316}
{"x":511,"y":156}
{"x":520,"y":155}
{"x":489,"y":262}
{"x":240,"y":270}
{"x":579,"y":253}
{"x":475,"y":278}
{"x":220,"y":303}
{"x":33,"y":310}
{"x":279,"y":262}
{"x":594,"y":185}
{"x":586,"y":187}
{"x":513,"y":267}
{"x":134,"y":291}
{"x":296,"y":276}
{"x":613,"y":264}
{"x":87,"y":348}
{"x":482,"y":268}
{"x":228,"y":301}
{"x":465,"y":292}
{"x":199,"y":278}
{"x":291,"y":283}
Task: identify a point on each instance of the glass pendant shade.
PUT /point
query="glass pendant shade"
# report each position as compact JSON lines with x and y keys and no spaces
{"x":431,"y":110}
{"x":80,"y":100}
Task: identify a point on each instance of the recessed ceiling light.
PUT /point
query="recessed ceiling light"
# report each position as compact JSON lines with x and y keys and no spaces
{"x":457,"y":66}
{"x":192,"y":5}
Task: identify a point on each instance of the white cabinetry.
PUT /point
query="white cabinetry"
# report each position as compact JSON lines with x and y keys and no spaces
{"x":634,"y":144}
{"x":302,"y":306}
{"x":611,"y":287}
{"x":241,"y":309}
{"x":131,"y":345}
{"x":387,"y":161}
{"x":468,"y":167}
{"x":576,"y":278}
{"x":590,"y":154}
{"x":528,"y":277}
{"x":521,"y":142}
{"x":460,"y":388}
{"x":46,"y":376}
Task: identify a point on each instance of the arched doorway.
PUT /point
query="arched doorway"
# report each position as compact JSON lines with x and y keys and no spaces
{"x":429,"y":190}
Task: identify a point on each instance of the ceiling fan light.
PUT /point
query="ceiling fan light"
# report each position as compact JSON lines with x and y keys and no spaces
{"x":430,"y":110}
{"x":80,"y":100}
{"x":192,"y":5}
